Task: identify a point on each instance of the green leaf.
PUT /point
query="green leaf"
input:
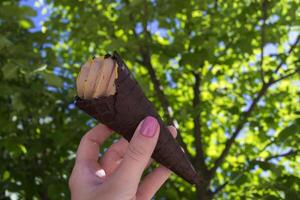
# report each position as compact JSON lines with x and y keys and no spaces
{"x":40,"y":69}
{"x":242,"y":179}
{"x":52,"y":79}
{"x":23,"y":148}
{"x":4,"y":42}
{"x":28,"y":11}
{"x":10,"y":71}
{"x":17,"y":102}
{"x":26,"y":24}
{"x":193,"y":59}
{"x":289,"y":131}
{"x":5,"y":175}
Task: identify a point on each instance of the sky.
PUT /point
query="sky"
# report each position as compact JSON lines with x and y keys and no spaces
{"x":42,"y":11}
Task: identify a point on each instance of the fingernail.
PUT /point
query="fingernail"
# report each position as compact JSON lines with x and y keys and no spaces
{"x":149,"y":127}
{"x":100,"y":173}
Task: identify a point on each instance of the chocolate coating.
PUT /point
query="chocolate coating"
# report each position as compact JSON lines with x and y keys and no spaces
{"x":123,"y":111}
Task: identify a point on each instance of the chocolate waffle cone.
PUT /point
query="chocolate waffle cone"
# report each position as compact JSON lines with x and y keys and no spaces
{"x":123,"y":111}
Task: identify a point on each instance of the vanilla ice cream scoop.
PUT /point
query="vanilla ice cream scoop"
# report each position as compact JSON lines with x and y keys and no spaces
{"x":97,"y":78}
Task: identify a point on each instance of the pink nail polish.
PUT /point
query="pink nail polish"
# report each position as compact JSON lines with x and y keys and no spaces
{"x":149,"y":127}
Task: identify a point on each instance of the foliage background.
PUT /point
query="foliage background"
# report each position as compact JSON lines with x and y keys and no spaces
{"x":227,"y":71}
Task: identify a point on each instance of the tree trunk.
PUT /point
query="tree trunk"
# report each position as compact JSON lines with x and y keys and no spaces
{"x":202,"y":193}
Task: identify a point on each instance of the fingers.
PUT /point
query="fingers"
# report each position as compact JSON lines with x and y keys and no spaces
{"x":88,"y":149}
{"x":138,"y":153}
{"x":113,"y":156}
{"x":115,"y":153}
{"x":153,"y":181}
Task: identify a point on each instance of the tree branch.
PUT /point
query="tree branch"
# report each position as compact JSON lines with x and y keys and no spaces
{"x":221,"y":187}
{"x":293,"y":46}
{"x":247,"y":114}
{"x":272,"y":141}
{"x":162,"y":98}
{"x":239,"y":127}
{"x":286,"y":76}
{"x":219,"y":55}
{"x":146,"y":62}
{"x":216,"y":4}
{"x":289,"y":153}
{"x":244,"y":168}
{"x":200,"y":158}
{"x":262,"y":43}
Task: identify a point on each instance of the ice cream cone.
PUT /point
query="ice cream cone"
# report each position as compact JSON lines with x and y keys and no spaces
{"x":125,"y":108}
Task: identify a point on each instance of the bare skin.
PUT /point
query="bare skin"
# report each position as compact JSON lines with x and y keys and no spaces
{"x":118,"y":173}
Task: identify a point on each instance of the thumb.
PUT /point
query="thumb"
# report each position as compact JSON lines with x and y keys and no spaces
{"x":139,"y":151}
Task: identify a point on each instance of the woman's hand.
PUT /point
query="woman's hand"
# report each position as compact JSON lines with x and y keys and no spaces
{"x":117,"y":175}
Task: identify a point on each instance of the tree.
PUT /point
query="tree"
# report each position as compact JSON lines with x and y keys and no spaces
{"x":38,"y":125}
{"x":226,"y":72}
